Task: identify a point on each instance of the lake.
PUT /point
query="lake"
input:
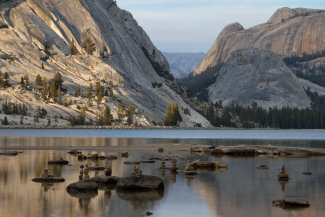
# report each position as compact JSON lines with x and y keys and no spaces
{"x":241,"y":190}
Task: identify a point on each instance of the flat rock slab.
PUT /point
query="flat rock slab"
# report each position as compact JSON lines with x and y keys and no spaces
{"x":132,"y":162}
{"x":110,"y":180}
{"x":60,"y":162}
{"x":291,"y":203}
{"x":210,"y":164}
{"x":74,"y":152}
{"x":10,"y":153}
{"x":82,"y":186}
{"x":49,"y":180}
{"x":142,"y":183}
{"x":247,"y":150}
{"x":263,"y":167}
{"x":96,"y":168}
{"x":147,"y":161}
{"x":111,"y":157}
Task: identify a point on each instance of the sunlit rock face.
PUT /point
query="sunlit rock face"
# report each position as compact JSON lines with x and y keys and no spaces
{"x":39,"y":34}
{"x":288,"y":32}
{"x":254,"y":75}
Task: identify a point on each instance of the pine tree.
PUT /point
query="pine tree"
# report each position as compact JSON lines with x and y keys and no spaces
{"x":130,"y":115}
{"x":173,"y":116}
{"x":26,"y":81}
{"x":52,"y":90}
{"x":1,"y":80}
{"x":89,"y":45}
{"x":45,"y":90}
{"x":38,"y":81}
{"x":58,"y":81}
{"x":77,"y":93}
{"x":72,"y":120}
{"x":5,"y":121}
{"x":6,"y":80}
{"x":99,"y":98}
{"x":90,"y":95}
{"x":107,"y":117}
{"x":59,"y":96}
{"x":22,"y":82}
{"x":73,"y":48}
{"x":111,"y":88}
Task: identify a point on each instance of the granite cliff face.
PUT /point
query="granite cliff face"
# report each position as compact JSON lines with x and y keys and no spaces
{"x":289,"y":32}
{"x":36,"y":37}
{"x":255,"y":75}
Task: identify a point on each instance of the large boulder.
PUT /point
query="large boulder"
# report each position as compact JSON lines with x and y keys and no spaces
{"x":83,"y":186}
{"x":142,"y":183}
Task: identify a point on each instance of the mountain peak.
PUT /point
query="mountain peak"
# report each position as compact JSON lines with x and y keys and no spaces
{"x":233,"y":27}
{"x":285,"y":13}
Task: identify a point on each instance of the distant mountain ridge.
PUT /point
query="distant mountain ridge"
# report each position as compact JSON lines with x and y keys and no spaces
{"x":182,"y":64}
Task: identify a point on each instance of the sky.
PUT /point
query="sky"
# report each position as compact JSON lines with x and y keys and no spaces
{"x":193,"y":25}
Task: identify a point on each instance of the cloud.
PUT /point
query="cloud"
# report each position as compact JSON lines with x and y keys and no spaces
{"x":193,"y":26}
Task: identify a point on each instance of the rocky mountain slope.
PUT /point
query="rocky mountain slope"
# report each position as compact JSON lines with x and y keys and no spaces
{"x":182,"y":64}
{"x":255,"y":75}
{"x":289,"y":32}
{"x":36,"y":37}
{"x":294,"y":36}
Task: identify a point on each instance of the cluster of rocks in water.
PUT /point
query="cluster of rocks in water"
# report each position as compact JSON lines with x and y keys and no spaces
{"x":137,"y":183}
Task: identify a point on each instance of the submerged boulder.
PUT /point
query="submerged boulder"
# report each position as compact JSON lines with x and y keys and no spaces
{"x":142,"y":183}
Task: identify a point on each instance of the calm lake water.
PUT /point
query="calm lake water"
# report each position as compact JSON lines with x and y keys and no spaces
{"x":240,"y":191}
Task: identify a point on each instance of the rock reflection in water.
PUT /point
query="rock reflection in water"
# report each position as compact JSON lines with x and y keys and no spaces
{"x":84,"y":199}
{"x":138,"y":198}
{"x":283,"y":184}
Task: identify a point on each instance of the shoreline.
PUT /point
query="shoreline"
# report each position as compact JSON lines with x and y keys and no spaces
{"x":138,"y":128}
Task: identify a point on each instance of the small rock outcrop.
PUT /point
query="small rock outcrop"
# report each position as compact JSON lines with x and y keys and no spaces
{"x":283,"y":174}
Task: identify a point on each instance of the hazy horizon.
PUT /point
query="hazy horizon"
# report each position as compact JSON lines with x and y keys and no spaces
{"x":190,"y":26}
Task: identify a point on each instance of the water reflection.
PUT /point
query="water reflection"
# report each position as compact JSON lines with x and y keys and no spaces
{"x":90,"y":143}
{"x":239,"y":191}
